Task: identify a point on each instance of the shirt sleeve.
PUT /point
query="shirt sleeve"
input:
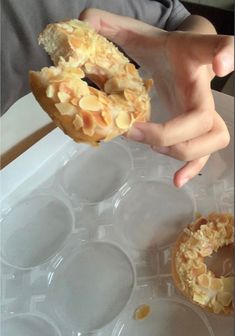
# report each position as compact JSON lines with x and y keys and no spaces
{"x":178,"y":13}
{"x":23,"y":20}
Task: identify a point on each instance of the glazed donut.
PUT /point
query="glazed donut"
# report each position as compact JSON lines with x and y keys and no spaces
{"x":83,"y":112}
{"x":190,"y":273}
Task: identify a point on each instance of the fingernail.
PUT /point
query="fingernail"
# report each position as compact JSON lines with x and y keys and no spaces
{"x":183,"y":181}
{"x":161,"y":150}
{"x":135,"y":134}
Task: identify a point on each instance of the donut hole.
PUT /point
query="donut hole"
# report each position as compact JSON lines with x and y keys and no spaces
{"x":221,"y":262}
{"x":91,"y":83}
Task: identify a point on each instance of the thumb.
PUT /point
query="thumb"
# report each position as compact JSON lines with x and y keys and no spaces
{"x":223,"y":62}
{"x":217,"y":50}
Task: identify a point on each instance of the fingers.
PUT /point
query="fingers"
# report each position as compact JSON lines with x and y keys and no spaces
{"x":198,"y":119}
{"x":176,"y":131}
{"x":189,"y":170}
{"x":135,"y":37}
{"x":216,"y":139}
{"x":195,"y":151}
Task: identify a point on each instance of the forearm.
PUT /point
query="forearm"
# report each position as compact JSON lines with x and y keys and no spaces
{"x":197,"y":24}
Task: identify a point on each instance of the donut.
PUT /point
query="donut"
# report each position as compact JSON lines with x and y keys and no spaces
{"x":86,"y":113}
{"x":190,"y":273}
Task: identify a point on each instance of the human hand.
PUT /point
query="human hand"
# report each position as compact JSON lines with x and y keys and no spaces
{"x":182,"y":66}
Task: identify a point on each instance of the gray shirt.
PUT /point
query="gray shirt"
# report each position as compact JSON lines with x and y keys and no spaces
{"x":23,"y":20}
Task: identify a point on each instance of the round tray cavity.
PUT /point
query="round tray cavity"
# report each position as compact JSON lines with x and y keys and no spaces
{"x":28,"y":325}
{"x":149,"y":213}
{"x":34,"y":230}
{"x":97,"y":174}
{"x":166,"y":317}
{"x":90,"y":286}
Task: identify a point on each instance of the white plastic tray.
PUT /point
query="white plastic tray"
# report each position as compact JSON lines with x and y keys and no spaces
{"x":87,"y":236}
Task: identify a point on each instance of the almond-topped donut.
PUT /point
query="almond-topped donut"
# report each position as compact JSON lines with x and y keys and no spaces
{"x":84,"y":113}
{"x":190,"y":273}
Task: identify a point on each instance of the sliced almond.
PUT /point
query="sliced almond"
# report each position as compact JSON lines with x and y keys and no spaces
{"x":50,"y":91}
{"x":207,"y":251}
{"x":148,"y":83}
{"x":73,"y":70}
{"x":199,"y":222}
{"x":66,"y":109}
{"x":64,"y":87}
{"x":112,"y":85}
{"x":104,"y":100}
{"x":94,"y":91}
{"x":216,"y":284}
{"x":123,"y":120}
{"x":63,"y":97}
{"x":52,"y":71}
{"x":132,"y":119}
{"x":130,"y":68}
{"x":129,"y":95}
{"x":74,"y":42}
{"x":203,"y":280}
{"x":80,"y":88}
{"x":199,"y":270}
{"x":76,"y":24}
{"x":228,"y":284}
{"x":200,"y":298}
{"x":103,"y":63}
{"x":74,"y":101}
{"x":57,"y":79}
{"x":191,"y":254}
{"x":224,"y":298}
{"x":119,"y":84}
{"x":217,"y":307}
{"x":230,"y":231}
{"x":65,"y":26}
{"x":118,"y":99}
{"x":78,"y":122}
{"x":193,"y":241}
{"x":90,"y":103}
{"x":142,"y":312}
{"x":88,"y":123}
{"x":99,"y":119}
{"x":107,"y":116}
{"x":89,"y":67}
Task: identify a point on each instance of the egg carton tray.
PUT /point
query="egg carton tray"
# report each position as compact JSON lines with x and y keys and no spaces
{"x":87,"y":237}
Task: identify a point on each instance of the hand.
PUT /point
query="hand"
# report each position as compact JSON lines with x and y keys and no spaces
{"x":182,"y":66}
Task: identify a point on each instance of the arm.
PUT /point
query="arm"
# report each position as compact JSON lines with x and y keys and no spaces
{"x":197,"y":24}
